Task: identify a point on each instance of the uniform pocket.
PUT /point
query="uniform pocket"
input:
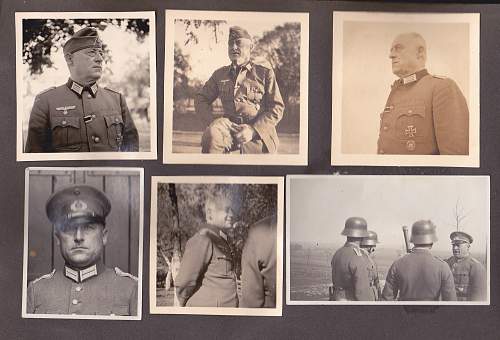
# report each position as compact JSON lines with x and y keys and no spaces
{"x":114,"y":125}
{"x":65,"y":133}
{"x":225,"y":90}
{"x":255,"y":93}
{"x":410,"y":122}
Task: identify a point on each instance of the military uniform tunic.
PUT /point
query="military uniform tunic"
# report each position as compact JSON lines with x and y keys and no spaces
{"x":373,"y":276}
{"x":250,"y":96}
{"x":350,"y":274}
{"x":424,"y":114}
{"x":419,"y":276}
{"x":206,"y":276}
{"x":106,"y":292}
{"x":71,"y":118}
{"x":258,"y":264}
{"x":470,"y":278}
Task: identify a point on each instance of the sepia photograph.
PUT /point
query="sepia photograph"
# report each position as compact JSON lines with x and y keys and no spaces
{"x":387,"y":240}
{"x":86,"y":85}
{"x":216,"y":245}
{"x":418,"y":77}
{"x":236,"y":87}
{"x":83,"y":230}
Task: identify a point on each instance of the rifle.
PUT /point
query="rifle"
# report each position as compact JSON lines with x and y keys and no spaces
{"x":407,"y":239}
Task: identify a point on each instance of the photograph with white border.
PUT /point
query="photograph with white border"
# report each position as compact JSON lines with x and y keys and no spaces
{"x":83,"y":232}
{"x":86,"y":85}
{"x":405,"y":89}
{"x":388,"y":240}
{"x":216,"y":245}
{"x":236,"y":87}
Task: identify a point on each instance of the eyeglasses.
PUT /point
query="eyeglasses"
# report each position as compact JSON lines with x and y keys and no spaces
{"x":95,"y":53}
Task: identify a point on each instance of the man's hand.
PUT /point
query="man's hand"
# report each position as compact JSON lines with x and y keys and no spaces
{"x":245,"y":133}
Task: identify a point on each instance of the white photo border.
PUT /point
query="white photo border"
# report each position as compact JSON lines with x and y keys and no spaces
{"x":169,"y":157}
{"x":153,"y":308}
{"x":24,"y":314}
{"x":25,"y":156}
{"x":471,"y":160}
{"x":289,"y":178}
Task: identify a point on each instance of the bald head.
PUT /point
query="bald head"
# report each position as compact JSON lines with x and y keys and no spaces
{"x":408,"y":54}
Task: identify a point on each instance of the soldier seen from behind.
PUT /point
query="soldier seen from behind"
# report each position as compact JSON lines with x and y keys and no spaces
{"x":368,"y":245}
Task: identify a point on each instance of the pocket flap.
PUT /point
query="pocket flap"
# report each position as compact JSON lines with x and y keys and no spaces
{"x":65,"y":122}
{"x":113,"y":119}
{"x":411,"y":110}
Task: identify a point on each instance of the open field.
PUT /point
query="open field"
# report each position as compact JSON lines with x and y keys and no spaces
{"x":311,"y":274}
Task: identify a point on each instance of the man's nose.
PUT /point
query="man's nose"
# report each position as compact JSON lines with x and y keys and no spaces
{"x":99,"y":57}
{"x":78,"y":236}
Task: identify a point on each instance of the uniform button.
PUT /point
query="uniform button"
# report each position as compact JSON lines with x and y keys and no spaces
{"x":93,"y":116}
{"x":63,"y":122}
{"x":78,"y":289}
{"x":116,"y":120}
{"x":410,"y":111}
{"x":89,"y":96}
{"x":97,"y":139}
{"x":386,"y":128}
{"x":112,"y":314}
{"x":65,"y":113}
{"x":74,"y":301}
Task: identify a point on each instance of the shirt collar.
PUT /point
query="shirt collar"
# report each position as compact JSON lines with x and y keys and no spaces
{"x":234,"y":69}
{"x":80,"y":275}
{"x":78,"y":89}
{"x":412,"y":78}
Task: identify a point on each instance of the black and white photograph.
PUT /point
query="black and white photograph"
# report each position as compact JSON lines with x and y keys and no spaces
{"x":83,"y":232}
{"x":417,"y":75}
{"x":216,"y":245}
{"x":236,"y":87}
{"x":386,"y":240}
{"x":86,"y":85}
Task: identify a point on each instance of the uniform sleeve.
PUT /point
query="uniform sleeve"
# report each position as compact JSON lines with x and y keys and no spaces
{"x":252,"y":280}
{"x":360,"y":280}
{"x":130,"y":134}
{"x":39,"y":131}
{"x":477,"y":283}
{"x":30,"y":299}
{"x":133,"y":300}
{"x":451,"y":119}
{"x":204,"y":99}
{"x":448,"y":292}
{"x":273,"y":111}
{"x":391,"y":290}
{"x":193,"y":266}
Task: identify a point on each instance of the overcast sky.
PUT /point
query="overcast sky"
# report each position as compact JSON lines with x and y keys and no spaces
{"x":319,"y":206}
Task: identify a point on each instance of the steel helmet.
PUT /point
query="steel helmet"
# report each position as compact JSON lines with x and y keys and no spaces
{"x":370,"y":240}
{"x":355,"y":227}
{"x":423,"y":232}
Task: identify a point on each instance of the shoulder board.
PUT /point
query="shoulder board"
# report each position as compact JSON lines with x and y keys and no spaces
{"x":46,"y":276}
{"x":357,"y":251}
{"x":439,"y":77}
{"x":474,"y":260}
{"x":46,"y":90}
{"x":112,"y":90}
{"x":440,"y":259}
{"x":264,"y":65}
{"x":121,"y":273}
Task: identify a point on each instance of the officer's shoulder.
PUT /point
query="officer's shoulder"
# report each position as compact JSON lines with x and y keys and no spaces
{"x":43,"y":277}
{"x":121,"y":273}
{"x":443,"y":80}
{"x":45,"y":93}
{"x":440,"y":260}
{"x":112,"y":90}
{"x":357,"y":251}
{"x":473,"y":260}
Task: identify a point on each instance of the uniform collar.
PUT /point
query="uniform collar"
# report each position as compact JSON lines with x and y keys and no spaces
{"x":234,"y":69}
{"x":351,"y":244}
{"x":420,"y":250}
{"x":78,"y":89}
{"x":412,"y":78}
{"x":80,"y":275}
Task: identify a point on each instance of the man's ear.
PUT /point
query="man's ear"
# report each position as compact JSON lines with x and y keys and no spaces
{"x":69,"y":59}
{"x":104,"y":236}
{"x":56,"y":237}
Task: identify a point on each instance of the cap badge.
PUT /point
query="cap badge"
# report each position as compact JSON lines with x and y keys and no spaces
{"x":78,"y":205}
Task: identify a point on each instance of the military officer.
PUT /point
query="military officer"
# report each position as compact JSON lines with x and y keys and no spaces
{"x":80,"y":115}
{"x":368,"y":245}
{"x":207,"y":275}
{"x":469,"y":273}
{"x":424,"y":114}
{"x":420,"y":276}
{"x":85,"y":286}
{"x":258,"y":265}
{"x":250,"y":98}
{"x":350,"y":265}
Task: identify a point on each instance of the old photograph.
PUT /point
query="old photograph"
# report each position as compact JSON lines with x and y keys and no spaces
{"x":86,"y":85}
{"x":216,"y":245}
{"x":417,"y":75}
{"x":379,"y":240}
{"x":83,"y":230}
{"x":236,"y":87}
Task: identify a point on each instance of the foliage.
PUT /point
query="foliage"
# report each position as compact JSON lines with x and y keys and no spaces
{"x":192,"y":26}
{"x":42,"y":37}
{"x":281,"y":48}
{"x":257,"y":202}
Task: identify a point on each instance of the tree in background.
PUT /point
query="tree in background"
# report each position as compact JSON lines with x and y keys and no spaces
{"x":42,"y":37}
